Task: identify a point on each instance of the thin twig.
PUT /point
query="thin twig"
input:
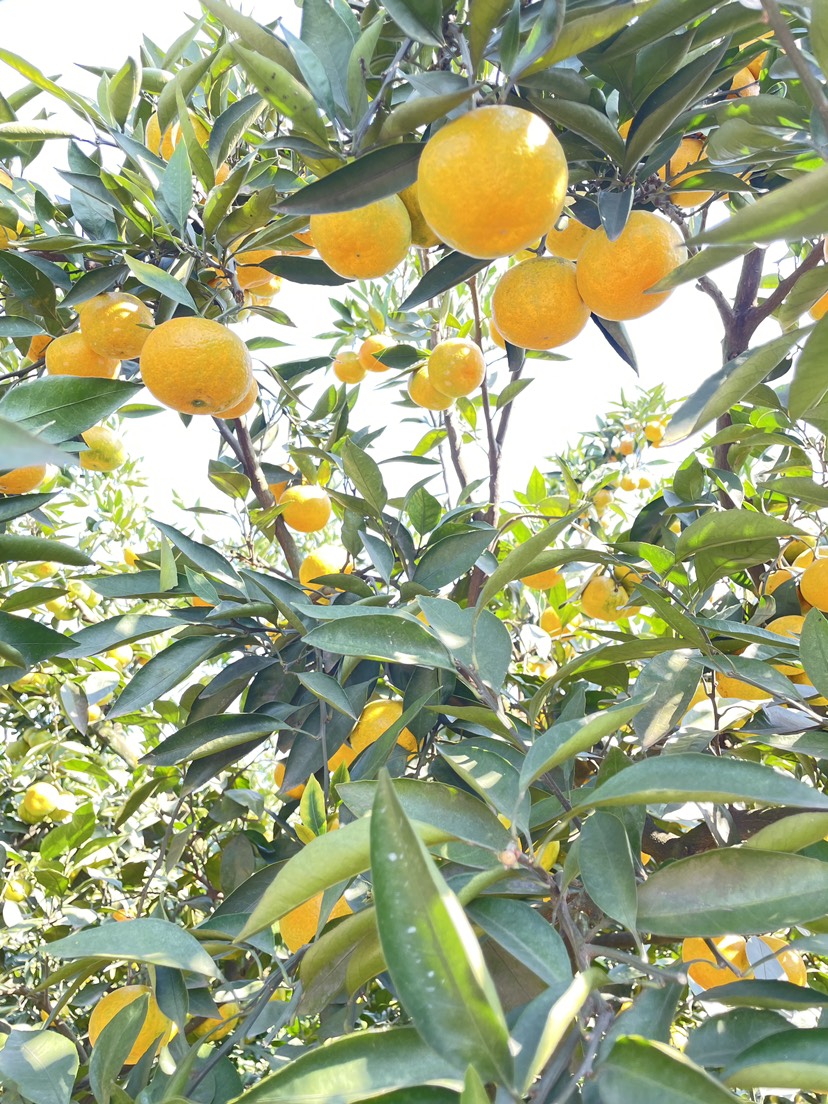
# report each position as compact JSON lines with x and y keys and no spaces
{"x":788,"y":43}
{"x":705,"y":284}
{"x":264,"y":495}
{"x":777,"y":297}
{"x":374,"y":106}
{"x":453,"y":438}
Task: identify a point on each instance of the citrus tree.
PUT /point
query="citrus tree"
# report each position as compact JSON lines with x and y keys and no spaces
{"x":445,"y":792}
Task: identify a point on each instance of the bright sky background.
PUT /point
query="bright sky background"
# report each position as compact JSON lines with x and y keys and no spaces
{"x":677,"y":344}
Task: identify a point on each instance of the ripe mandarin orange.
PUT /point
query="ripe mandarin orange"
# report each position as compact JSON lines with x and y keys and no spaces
{"x":249,"y":272}
{"x":116,"y":324}
{"x":814,"y":584}
{"x":456,"y":367}
{"x":550,"y":622}
{"x":423,"y":392}
{"x":157,"y":1028}
{"x":22,"y":480}
{"x":105,"y":450}
{"x":365,"y":242}
{"x":536,"y":304}
{"x":347,"y":367}
{"x":71,"y":355}
{"x":196,"y":366}
{"x":38,"y":346}
{"x":328,"y":559}
{"x":372,"y":345}
{"x":708,"y":973}
{"x":820,"y":308}
{"x":791,"y":627}
{"x":375,"y":719}
{"x":602,"y":598}
{"x":690,"y":151}
{"x":492,"y":181}
{"x":165,"y":145}
{"x":542,"y":580}
{"x":246,"y":404}
{"x":300,"y":925}
{"x":568,"y":241}
{"x":613,"y":277}
{"x":307,"y":507}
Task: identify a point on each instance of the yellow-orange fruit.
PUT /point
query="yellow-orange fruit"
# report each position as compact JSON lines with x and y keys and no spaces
{"x":104,"y":451}
{"x":70,"y":355}
{"x":228,"y":1017}
{"x":614,"y":277}
{"x":496,"y":336}
{"x":536,"y":304}
{"x":777,"y":579}
{"x":328,"y":559}
{"x":365,"y":242}
{"x":708,"y":973}
{"x":246,"y":404}
{"x":38,"y":346}
{"x":372,"y":345}
{"x":423,"y":392}
{"x":279,"y":776}
{"x":602,"y":598}
{"x":249,"y":272}
{"x":788,"y":958}
{"x":347,"y":367}
{"x":791,"y":627}
{"x":22,"y":480}
{"x":156,"y":1029}
{"x":814,"y":584}
{"x":375,"y":719}
{"x":307,"y":507}
{"x":196,"y":366}
{"x":299,"y":926}
{"x":550,"y":622}
{"x":568,"y":241}
{"x":421,"y":233}
{"x":654,"y":432}
{"x":820,"y":308}
{"x":542,"y":580}
{"x":456,"y":367}
{"x":492,"y":181}
{"x":729,"y":687}
{"x":116,"y":324}
{"x":165,"y":144}
{"x":689,"y":152}
{"x":743,"y":84}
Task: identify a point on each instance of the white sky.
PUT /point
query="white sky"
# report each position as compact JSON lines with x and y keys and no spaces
{"x":678,"y":344}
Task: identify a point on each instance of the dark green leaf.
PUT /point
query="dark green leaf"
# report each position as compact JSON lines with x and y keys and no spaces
{"x":20,"y":448}
{"x":809,"y":386}
{"x":374,"y":176}
{"x":41,"y":1065}
{"x":305,"y":270}
{"x":419,"y":19}
{"x":365,"y":475}
{"x":451,"y":270}
{"x":446,"y":560}
{"x":381,"y":636}
{"x":607,"y":871}
{"x":210,"y":736}
{"x":113,"y":1046}
{"x":20,"y":549}
{"x":161,"y":281}
{"x":795,"y":1060}
{"x":149,"y":940}
{"x":524,"y":933}
{"x":794,"y":211}
{"x":62,"y":407}
{"x":164,"y":671}
{"x":651,"y":1073}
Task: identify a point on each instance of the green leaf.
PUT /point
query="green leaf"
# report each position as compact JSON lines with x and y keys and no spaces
{"x":419,"y":111}
{"x":423,"y":511}
{"x":694,"y":776}
{"x":164,"y":671}
{"x":63,"y":407}
{"x":656,"y":24}
{"x":475,"y":639}
{"x":365,"y":475}
{"x":210,"y":736}
{"x":799,"y":487}
{"x":123,"y":90}
{"x":650,"y":1073}
{"x":358,"y":1067}
{"x":809,"y":386}
{"x":253,"y":34}
{"x":41,"y":1065}
{"x":20,"y":449}
{"x":474,"y":1091}
{"x":34,"y":641}
{"x":94,"y":639}
{"x":726,"y":539}
{"x":796,"y":210}
{"x":21,"y":549}
{"x":549,"y":1019}
{"x":359,"y":63}
{"x":674,"y":677}
{"x":230,"y":126}
{"x":520,"y":560}
{"x":454,"y":811}
{"x":79,"y":105}
{"x":162,"y":282}
{"x":446,"y":560}
{"x":566,"y":739}
{"x":176,"y":192}
{"x":706,"y":260}
{"x":490,"y":774}
{"x":523,"y":932}
{"x":580,"y":34}
{"x":732,"y":890}
{"x":818,"y":36}
{"x":813,"y":648}
{"x":28,"y":283}
{"x":284,"y":92}
{"x":769,"y":993}
{"x":484,"y":16}
{"x":418,"y":19}
{"x":452,"y":269}
{"x":378,"y":174}
{"x":725,"y":388}
{"x":328,"y":690}
{"x":792,"y":833}
{"x":794,"y":1059}
{"x":150,"y":940}
{"x":203,"y":556}
{"x":113,"y":1045}
{"x":326,"y":861}
{"x":432,"y":955}
{"x":607,"y":870}
{"x":305,"y":270}
{"x":584,"y":120}
{"x":719,"y":1040}
{"x":381,"y":636}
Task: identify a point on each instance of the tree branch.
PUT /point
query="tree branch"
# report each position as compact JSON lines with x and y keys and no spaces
{"x":764,"y":310}
{"x":454,"y":449}
{"x":788,"y":43}
{"x":705,"y":284}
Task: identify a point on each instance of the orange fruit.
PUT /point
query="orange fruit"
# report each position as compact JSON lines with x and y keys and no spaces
{"x":328,"y":559}
{"x":758,"y":63}
{"x":39,"y":801}
{"x":38,"y":346}
{"x":201,"y":602}
{"x":116,"y":324}
{"x":820,"y":308}
{"x":7,"y":236}
{"x":22,"y":480}
{"x":104,"y":452}
{"x":421,"y":233}
{"x":602,"y":598}
{"x":307,"y":507}
{"x":492,"y":181}
{"x":496,"y":336}
{"x":626,"y":446}
{"x":813,"y":585}
{"x":743,"y":84}
{"x":347,"y":367}
{"x":568,"y":240}
{"x":624,"y":129}
{"x":654,"y":432}
{"x":367,"y":350}
{"x":195,"y":366}
{"x":550,"y":622}
{"x":644,"y":483}
{"x":306,"y":238}
{"x":456,"y":367}
{"x":71,"y":355}
{"x":165,"y":144}
{"x":627,"y":483}
{"x":542,"y":580}
{"x":279,"y":777}
{"x":602,"y":499}
{"x":708,"y":973}
{"x":246,"y":404}
{"x":613,"y":277}
{"x":276,"y":489}
{"x":796,"y":547}
{"x":375,"y":719}
{"x":364,"y":242}
{"x":300,"y":925}
{"x":249,"y":273}
{"x":536,"y":304}
{"x":228,"y":1016}
{"x":729,"y":687}
{"x":222,"y":172}
{"x":777,"y":579}
{"x":788,"y":958}
{"x":690,"y":151}
{"x":423,"y":392}
{"x":157,"y":1029}
{"x":791,"y":627}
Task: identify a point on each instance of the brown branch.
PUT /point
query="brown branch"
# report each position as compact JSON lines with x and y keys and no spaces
{"x":454,"y":448}
{"x":705,"y":284}
{"x":764,"y":310}
{"x":788,"y":43}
